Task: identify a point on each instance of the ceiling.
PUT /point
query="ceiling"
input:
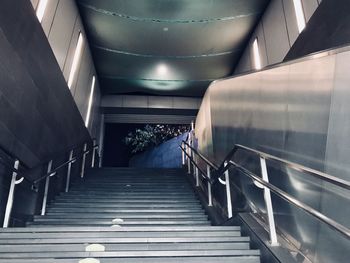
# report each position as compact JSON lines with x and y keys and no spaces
{"x":167,"y":47}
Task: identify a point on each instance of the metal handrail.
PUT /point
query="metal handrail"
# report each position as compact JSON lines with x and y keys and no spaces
{"x":205,"y":159}
{"x":306,"y":208}
{"x":203,"y":174}
{"x":298,"y":167}
{"x":325,"y":177}
{"x":50,"y":173}
{"x":54,"y":171}
{"x":227,"y":163}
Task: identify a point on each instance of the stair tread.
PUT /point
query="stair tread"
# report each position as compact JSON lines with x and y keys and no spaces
{"x":162,"y":220}
{"x":136,"y":253}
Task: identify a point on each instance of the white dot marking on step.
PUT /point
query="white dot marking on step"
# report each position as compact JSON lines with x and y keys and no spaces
{"x":89,"y":260}
{"x":117,"y":221}
{"x":95,"y":248}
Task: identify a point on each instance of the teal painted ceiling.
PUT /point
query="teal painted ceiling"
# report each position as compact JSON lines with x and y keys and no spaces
{"x":167,"y":47}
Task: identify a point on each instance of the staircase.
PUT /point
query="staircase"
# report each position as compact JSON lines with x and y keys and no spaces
{"x":126,"y":215}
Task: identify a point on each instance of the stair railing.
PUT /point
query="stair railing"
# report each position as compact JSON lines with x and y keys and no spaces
{"x":215,"y":173}
{"x":19,"y":175}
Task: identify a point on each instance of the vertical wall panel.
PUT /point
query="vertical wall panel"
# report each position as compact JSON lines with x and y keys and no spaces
{"x":245,"y":62}
{"x":62,"y":25}
{"x":310,"y":7}
{"x":62,"y":29}
{"x":278,"y":27}
{"x":276,"y":36}
{"x":34,"y":3}
{"x":292,"y":25}
{"x":84,"y":80}
{"x":259,"y":34}
{"x":49,"y":16}
{"x":72,"y":46}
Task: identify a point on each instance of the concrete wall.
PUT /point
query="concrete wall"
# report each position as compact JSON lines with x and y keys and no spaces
{"x":328,"y":28}
{"x":166,"y":155}
{"x":62,"y":24}
{"x":298,"y":111}
{"x":276,"y":32}
{"x":39,"y":119}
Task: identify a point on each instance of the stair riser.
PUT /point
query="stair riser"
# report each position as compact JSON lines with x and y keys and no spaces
{"x":125,"y":240}
{"x":77,"y":235}
{"x":124,"y":247}
{"x":127,"y":254}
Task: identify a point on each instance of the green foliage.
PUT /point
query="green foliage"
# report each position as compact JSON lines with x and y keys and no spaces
{"x":152,"y":135}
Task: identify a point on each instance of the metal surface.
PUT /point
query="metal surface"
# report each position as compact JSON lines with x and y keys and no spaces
{"x":210,"y":198}
{"x":228,"y":193}
{"x":10,"y":198}
{"x":181,"y":41}
{"x":298,"y":111}
{"x":94,"y":149}
{"x":69,"y":170}
{"x":82,"y":172}
{"x":183,"y":155}
{"x":196,"y":171}
{"x":268,"y":203}
{"x":330,"y":222}
{"x":46,"y":190}
{"x":264,"y":183}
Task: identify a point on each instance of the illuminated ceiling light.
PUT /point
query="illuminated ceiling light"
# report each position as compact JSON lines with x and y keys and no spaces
{"x":256,"y":54}
{"x":76,"y":60}
{"x":300,"y":15}
{"x":165,"y":29}
{"x":40,"y":11}
{"x":162,"y":69}
{"x":87,"y":119}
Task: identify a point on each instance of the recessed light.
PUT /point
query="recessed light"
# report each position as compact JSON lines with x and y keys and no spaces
{"x":41,"y":9}
{"x":162,"y":69}
{"x":165,"y":29}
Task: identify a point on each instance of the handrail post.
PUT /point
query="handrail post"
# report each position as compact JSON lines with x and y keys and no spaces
{"x":93,"y":153}
{"x":183,"y":154}
{"x":268,"y":202}
{"x":10,"y":196}
{"x":228,"y":193}
{"x":194,"y":164}
{"x":189,"y":160}
{"x":83,"y":161}
{"x":46,"y":191}
{"x":197,"y":171}
{"x":69,"y":170}
{"x":210,"y":201}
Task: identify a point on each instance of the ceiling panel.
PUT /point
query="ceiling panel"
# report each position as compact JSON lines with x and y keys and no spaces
{"x":164,"y":46}
{"x":163,"y":68}
{"x":150,"y":38}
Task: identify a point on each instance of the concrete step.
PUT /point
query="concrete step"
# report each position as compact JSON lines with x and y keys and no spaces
{"x":117,"y":230}
{"x":115,"y":234}
{"x":132,"y":183}
{"x":106,"y":223}
{"x":133,"y":254}
{"x":88,"y":214}
{"x":126,"y":222}
{"x":124,"y":210}
{"x":122,"y":240}
{"x":68,"y":200}
{"x":113,"y":205}
{"x":129,"y":198}
{"x":197,"y":259}
{"x":127,"y":194}
{"x":123,"y":216}
{"x":109,"y":220}
{"x":124,"y":247}
{"x":149,"y":192}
